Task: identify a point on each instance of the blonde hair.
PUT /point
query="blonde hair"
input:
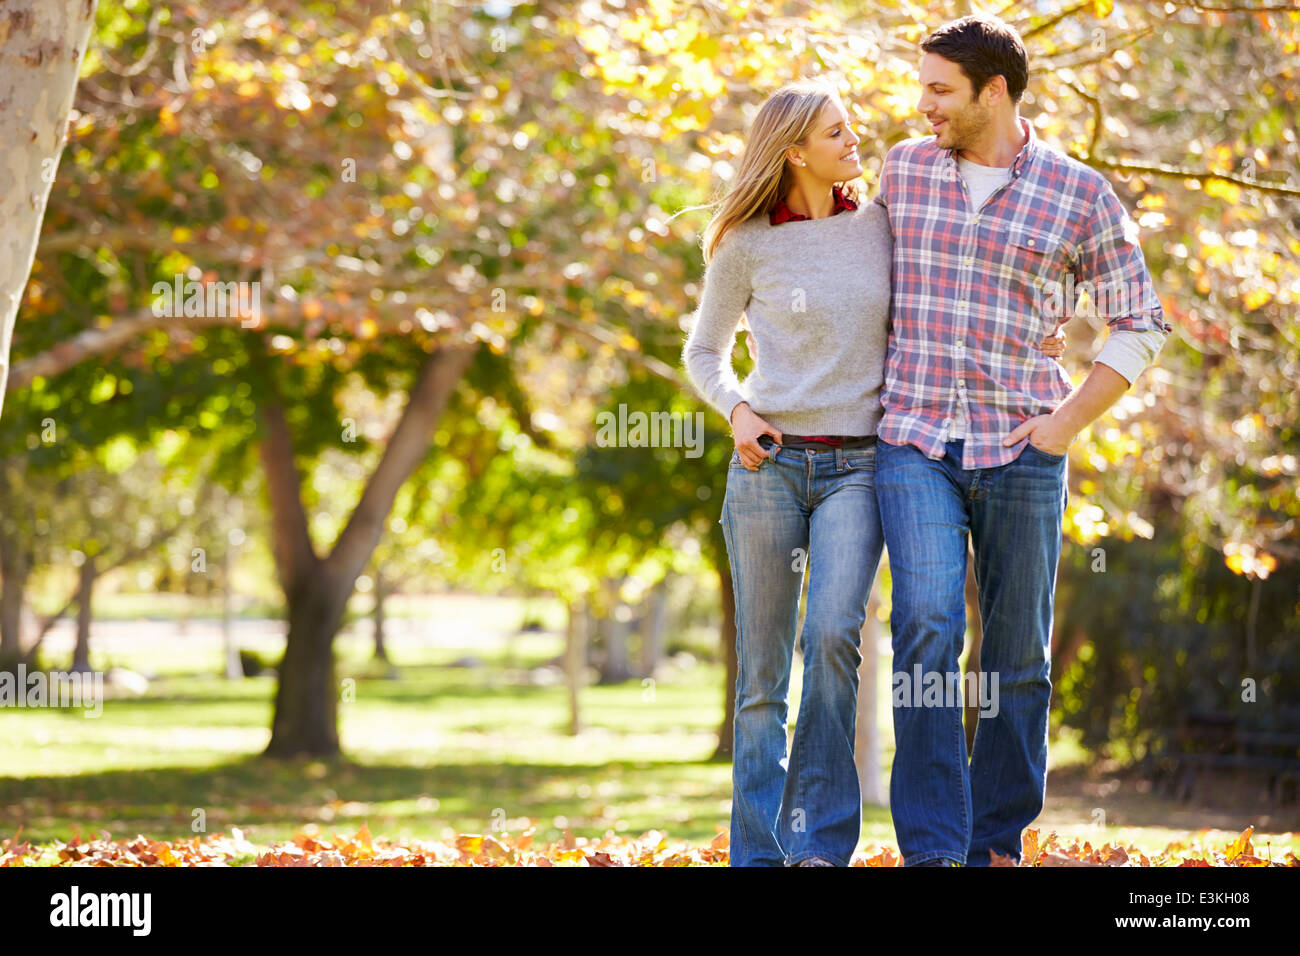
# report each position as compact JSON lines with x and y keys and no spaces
{"x":785,"y":119}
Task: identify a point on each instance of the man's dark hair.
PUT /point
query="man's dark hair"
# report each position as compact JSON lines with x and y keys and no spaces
{"x":984,"y":47}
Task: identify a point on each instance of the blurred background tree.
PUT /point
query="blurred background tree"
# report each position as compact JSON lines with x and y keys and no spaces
{"x":475,"y":228}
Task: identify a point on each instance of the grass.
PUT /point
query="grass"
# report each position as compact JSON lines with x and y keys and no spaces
{"x":447,"y":749}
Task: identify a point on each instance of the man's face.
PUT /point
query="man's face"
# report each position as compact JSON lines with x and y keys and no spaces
{"x":957,"y":117}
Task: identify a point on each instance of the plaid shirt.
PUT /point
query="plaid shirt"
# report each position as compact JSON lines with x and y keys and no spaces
{"x":975,"y":291}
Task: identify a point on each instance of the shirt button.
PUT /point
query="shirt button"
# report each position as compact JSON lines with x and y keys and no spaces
{"x":969,"y":260}
{"x":959,"y":343}
{"x":961,"y":383}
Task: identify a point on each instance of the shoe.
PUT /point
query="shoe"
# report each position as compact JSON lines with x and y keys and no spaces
{"x":941,"y":861}
{"x":814,"y":861}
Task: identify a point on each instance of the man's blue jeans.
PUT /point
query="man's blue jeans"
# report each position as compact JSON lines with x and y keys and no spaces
{"x":801,"y":506}
{"x":944,"y":805}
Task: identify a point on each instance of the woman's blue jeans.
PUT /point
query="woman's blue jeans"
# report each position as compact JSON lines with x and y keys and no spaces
{"x":814,"y":507}
{"x":944,"y":805}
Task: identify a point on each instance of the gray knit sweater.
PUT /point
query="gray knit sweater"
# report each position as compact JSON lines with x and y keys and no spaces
{"x":816,"y":293}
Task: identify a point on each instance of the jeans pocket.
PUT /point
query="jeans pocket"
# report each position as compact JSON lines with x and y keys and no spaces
{"x":1045,"y":455}
{"x":738,"y":465}
{"x":861,"y":459}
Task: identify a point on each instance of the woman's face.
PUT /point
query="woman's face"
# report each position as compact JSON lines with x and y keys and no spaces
{"x":831,"y":150}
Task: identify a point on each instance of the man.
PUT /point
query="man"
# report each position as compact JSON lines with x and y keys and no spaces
{"x":994,"y":233}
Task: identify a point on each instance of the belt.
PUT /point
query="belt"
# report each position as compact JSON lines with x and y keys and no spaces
{"x":841,"y":441}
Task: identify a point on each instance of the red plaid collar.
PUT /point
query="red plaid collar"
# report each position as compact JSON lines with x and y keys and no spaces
{"x":782,"y":213}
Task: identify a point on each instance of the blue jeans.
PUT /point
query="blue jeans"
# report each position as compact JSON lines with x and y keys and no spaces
{"x":944,"y":805}
{"x":800,"y":505}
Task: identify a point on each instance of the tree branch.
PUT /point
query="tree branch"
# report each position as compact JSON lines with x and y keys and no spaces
{"x":403,"y":452}
{"x":1173,"y":172}
{"x":1053,"y":21}
{"x":606,"y":337}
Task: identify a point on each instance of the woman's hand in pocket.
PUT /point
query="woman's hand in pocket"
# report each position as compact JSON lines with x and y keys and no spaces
{"x":1053,"y":345}
{"x":746,"y":426}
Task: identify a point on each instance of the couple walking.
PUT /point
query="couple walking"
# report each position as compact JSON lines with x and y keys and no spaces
{"x":905,"y":395}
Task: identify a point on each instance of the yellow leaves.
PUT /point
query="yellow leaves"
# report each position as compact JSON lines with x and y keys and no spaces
{"x":704,"y":47}
{"x":653,"y":848}
{"x":1220,"y":189}
{"x":664,"y":11}
{"x":1102,"y":8}
{"x":182,"y":234}
{"x":1241,"y":844}
{"x":1256,"y":297}
{"x":635,"y":29}
{"x":1243,"y":559}
{"x":167,"y":119}
{"x":595,"y":38}
{"x":1029,"y":848}
{"x":1086,"y":523}
{"x":825,"y":20}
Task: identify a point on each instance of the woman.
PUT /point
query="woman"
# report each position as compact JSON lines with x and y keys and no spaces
{"x":793,"y":249}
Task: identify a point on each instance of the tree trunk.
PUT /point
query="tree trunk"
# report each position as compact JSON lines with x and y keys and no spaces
{"x":234,"y":668}
{"x":575,"y":660}
{"x":316,"y":591}
{"x":85,"y":610}
{"x":15,"y":569}
{"x":726,"y":733}
{"x":306,"y":700}
{"x":866,"y":746}
{"x":614,"y":632}
{"x":653,"y":624}
{"x":377,"y":615}
{"x":1067,"y":650}
{"x":42,"y":43}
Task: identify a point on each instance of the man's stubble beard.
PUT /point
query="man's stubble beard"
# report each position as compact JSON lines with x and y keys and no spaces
{"x":965,"y":128}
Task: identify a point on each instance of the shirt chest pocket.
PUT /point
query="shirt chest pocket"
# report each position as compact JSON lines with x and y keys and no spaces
{"x":1035,"y":261}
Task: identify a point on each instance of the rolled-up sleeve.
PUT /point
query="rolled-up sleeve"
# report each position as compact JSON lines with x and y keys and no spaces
{"x":1110,"y":263}
{"x":1129,"y":353}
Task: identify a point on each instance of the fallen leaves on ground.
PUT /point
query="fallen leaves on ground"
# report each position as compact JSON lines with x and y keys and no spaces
{"x":505,"y":849}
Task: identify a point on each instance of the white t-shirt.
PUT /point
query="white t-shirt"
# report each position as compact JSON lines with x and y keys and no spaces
{"x":981,"y":183}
